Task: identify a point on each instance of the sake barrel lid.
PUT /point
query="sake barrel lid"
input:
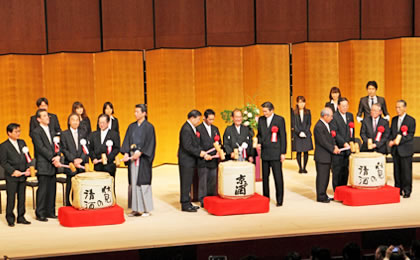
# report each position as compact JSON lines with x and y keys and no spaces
{"x":93,"y":175}
{"x":367,"y":155}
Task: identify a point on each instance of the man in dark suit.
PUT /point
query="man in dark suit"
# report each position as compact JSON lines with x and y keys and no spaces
{"x":16,"y":168}
{"x":344,"y":135}
{"x":42,"y":103}
{"x":47,"y":162}
{"x":236,"y":135}
{"x":72,"y":150}
{"x":324,"y":149}
{"x":189,"y":152}
{"x":273,"y":143}
{"x":371,"y":129}
{"x":104,"y":141}
{"x":402,"y":152}
{"x":207,"y":170}
{"x":366,"y":103}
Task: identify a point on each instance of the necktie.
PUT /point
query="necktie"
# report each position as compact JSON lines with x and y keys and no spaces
{"x":75,"y":137}
{"x":374,"y":125}
{"x":399,"y":123}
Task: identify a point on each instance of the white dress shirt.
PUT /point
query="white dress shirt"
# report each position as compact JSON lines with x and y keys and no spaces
{"x":208,"y":128}
{"x":344,"y":117}
{"x":75,"y":133}
{"x":103,"y":135}
{"x":47,"y":132}
{"x":269,"y":119}
{"x":193,"y":127}
{"x":326,"y":124}
{"x":15,"y":145}
{"x":400,"y":120}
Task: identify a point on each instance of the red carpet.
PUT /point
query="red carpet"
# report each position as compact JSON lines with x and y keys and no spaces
{"x":361,"y":197}
{"x":71,"y":217}
{"x":222,"y":207}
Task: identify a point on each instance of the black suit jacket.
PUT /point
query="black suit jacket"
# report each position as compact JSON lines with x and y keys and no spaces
{"x":11,"y":160}
{"x":68,"y":147}
{"x":44,"y":151}
{"x":330,"y":105}
{"x":365,"y":109}
{"x":189,"y":147}
{"x":271,"y":151}
{"x":406,"y":146}
{"x":206,"y":143}
{"x":114,"y":126}
{"x":231,"y":138}
{"x":304,"y":126}
{"x":342,"y":130}
{"x":54,"y":124}
{"x":96,"y":149}
{"x":324,"y":143}
{"x":367,"y":132}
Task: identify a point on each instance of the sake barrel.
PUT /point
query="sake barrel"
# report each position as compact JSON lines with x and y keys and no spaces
{"x":92,"y":190}
{"x":236,"y":180}
{"x":367,"y":170}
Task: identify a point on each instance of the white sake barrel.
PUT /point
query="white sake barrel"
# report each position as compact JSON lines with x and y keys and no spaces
{"x":367,"y":170}
{"x":92,"y":190}
{"x":236,"y":180}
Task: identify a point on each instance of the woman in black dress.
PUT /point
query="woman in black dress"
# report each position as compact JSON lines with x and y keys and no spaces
{"x":108,"y":109}
{"x":80,"y":110}
{"x":302,"y":132}
{"x":335,"y":95}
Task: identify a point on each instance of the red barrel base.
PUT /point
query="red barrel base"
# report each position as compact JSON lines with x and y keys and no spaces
{"x":71,"y":217}
{"x":223,"y":207}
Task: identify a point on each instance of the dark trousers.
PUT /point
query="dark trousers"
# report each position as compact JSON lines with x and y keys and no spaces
{"x":403,"y":173}
{"x":322,"y":180}
{"x":276,"y":166}
{"x":45,"y":196}
{"x":207,"y":178}
{"x":13,"y":188}
{"x":340,"y":170}
{"x":186,"y":178}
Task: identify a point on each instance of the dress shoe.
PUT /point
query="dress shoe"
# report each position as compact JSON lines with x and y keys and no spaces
{"x":305,"y":171}
{"x":52,"y":216}
{"x":24,"y":222}
{"x":300,"y":171}
{"x":190,"y":209}
{"x":330,"y":199}
{"x":279,"y":204}
{"x":42,"y":219}
{"x":134,"y":214}
{"x":11,"y":224}
{"x":195,"y":207}
{"x":406,"y":196}
{"x":324,"y":201}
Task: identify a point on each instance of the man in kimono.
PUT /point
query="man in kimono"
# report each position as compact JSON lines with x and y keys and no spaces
{"x":140,"y":143}
{"x":238,"y":135}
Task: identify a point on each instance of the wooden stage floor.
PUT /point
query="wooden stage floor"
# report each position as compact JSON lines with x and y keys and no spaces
{"x":168,"y":226}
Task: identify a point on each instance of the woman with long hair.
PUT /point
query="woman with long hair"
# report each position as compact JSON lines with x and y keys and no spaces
{"x":302,"y":133}
{"x":80,"y":110}
{"x":335,"y":95}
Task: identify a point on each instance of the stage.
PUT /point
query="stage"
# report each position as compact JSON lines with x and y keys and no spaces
{"x":168,"y":226}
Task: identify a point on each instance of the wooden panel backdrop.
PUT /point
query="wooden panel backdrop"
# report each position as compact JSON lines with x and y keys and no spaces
{"x":213,"y":77}
{"x":67,"y":77}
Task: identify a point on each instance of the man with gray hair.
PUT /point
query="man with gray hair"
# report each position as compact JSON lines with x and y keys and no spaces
{"x":375,"y":128}
{"x":324,"y":149}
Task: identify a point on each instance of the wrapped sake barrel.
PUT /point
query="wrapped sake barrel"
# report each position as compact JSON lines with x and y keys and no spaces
{"x":236,"y":180}
{"x":367,"y":170}
{"x":92,"y":190}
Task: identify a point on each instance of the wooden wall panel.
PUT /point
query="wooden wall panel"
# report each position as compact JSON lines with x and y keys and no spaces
{"x":331,"y":20}
{"x":382,"y":19}
{"x":23,"y":26}
{"x":127,"y":24}
{"x":267,"y":78}
{"x":410,"y":56}
{"x":179,"y":23}
{"x":219,"y":80}
{"x":281,"y":21}
{"x":68,"y":77}
{"x":73,"y":25}
{"x":230,"y":22}
{"x":171,"y":95}
{"x":393,"y":73}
